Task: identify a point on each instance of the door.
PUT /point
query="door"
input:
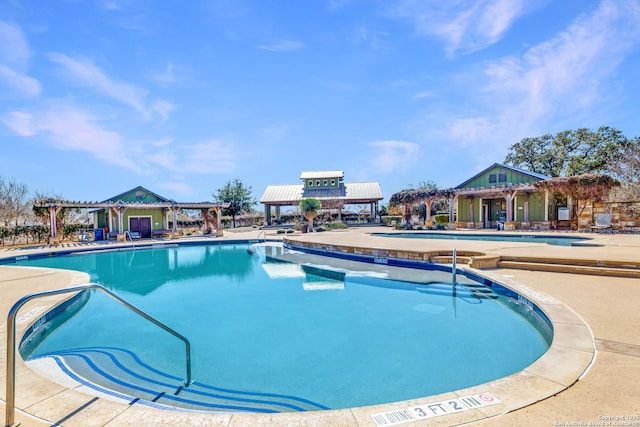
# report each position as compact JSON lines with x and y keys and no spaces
{"x":145,"y":227}
{"x":134,"y":224}
{"x":141,"y":225}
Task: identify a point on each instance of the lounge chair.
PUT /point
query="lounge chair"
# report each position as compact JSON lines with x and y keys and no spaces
{"x":603,"y":222}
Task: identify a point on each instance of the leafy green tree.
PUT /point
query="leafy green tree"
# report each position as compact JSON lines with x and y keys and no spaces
{"x":309,"y":208}
{"x":571,"y":152}
{"x":238,"y":196}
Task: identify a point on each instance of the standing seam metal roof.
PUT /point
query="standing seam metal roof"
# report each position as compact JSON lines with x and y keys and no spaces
{"x":322,"y":174}
{"x":348,"y":192}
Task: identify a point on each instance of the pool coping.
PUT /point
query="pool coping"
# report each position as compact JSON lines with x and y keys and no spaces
{"x":570,"y":356}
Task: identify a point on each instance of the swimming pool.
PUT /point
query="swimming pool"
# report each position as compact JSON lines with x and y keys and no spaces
{"x":270,"y":336}
{"x":522,"y":238}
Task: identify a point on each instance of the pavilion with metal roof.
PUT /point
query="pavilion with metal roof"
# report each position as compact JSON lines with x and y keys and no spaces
{"x":327,"y":186}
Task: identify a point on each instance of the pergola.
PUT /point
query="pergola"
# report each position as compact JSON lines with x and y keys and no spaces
{"x":119,"y":208}
{"x":507,"y":192}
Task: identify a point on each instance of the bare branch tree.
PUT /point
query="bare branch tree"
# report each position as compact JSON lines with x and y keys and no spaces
{"x":13,"y":201}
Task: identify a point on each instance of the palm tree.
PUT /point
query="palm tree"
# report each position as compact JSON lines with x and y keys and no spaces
{"x":309,"y":208}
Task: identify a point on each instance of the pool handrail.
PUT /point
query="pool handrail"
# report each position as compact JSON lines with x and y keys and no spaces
{"x":11,"y":339}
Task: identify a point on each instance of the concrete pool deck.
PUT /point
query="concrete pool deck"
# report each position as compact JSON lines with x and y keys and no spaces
{"x":547,"y":392}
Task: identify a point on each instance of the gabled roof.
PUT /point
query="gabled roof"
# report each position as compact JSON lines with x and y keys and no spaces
{"x":525,"y":172}
{"x":135,"y":190}
{"x":350,"y":192}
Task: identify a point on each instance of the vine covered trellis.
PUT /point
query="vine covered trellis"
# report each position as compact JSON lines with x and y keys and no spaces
{"x":412,"y":197}
{"x":580,"y":188}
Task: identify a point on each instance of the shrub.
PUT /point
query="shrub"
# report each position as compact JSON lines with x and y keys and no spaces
{"x":289,"y":231}
{"x":321,"y":228}
{"x":388,"y":219}
{"x":441,"y":218}
{"x":336,"y":225}
{"x":280,"y":231}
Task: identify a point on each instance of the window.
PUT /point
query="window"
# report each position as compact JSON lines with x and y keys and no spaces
{"x":318,"y":183}
{"x":502,"y":177}
{"x":492,"y":177}
{"x":333,"y":182}
{"x":324,"y":183}
{"x":310,"y":183}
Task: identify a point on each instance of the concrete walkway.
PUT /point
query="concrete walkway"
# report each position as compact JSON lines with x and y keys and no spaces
{"x":609,"y":388}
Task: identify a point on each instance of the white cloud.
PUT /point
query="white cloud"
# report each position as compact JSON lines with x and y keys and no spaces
{"x":75,"y":129}
{"x":163,"y":108}
{"x":424,"y":94}
{"x":20,"y":122}
{"x":283,"y":46}
{"x":179,"y":187}
{"x":559,"y":81}
{"x":165,"y":77}
{"x":468,"y":25}
{"x":111,"y":5}
{"x":388,"y":156}
{"x":14,"y":48}
{"x":211,"y":157}
{"x":22,"y":83}
{"x":471,"y":130}
{"x":69,"y":128}
{"x":14,"y":61}
{"x":84,"y":73}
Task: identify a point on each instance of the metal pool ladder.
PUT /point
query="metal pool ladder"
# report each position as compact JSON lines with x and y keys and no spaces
{"x":11,"y":340}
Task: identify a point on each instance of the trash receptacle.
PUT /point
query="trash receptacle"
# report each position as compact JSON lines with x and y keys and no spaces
{"x":97,"y":233}
{"x":304,"y":228}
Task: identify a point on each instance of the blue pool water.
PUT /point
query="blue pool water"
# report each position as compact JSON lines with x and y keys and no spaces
{"x":272,"y":336}
{"x":522,"y":238}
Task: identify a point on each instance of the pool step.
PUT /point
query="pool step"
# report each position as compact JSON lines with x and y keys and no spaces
{"x":595,"y":267}
{"x":462,"y":291}
{"x":121,"y":373}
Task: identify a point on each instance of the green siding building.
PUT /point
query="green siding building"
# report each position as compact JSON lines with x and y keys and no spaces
{"x":137,"y":211}
{"x":502,"y":196}
{"x":146,"y":213}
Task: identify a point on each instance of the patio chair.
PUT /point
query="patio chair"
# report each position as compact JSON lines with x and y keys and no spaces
{"x":603,"y":222}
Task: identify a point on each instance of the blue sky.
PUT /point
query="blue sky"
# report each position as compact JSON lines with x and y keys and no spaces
{"x":97,"y":97}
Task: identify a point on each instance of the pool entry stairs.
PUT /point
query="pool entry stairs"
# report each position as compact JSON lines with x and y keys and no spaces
{"x":577,"y":266}
{"x":471,"y":293}
{"x":119,"y":373}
